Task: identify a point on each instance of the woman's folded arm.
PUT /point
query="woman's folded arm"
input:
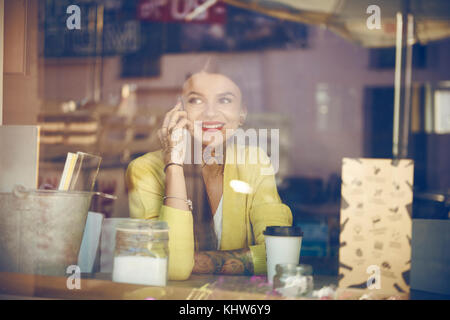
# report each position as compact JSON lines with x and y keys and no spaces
{"x":145,"y":190}
{"x":229,"y":262}
{"x":181,"y":242}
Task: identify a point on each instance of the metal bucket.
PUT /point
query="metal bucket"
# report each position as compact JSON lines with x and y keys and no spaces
{"x":41,"y":230}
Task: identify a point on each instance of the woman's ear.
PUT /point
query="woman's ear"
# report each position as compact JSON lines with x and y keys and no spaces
{"x":243,"y":115}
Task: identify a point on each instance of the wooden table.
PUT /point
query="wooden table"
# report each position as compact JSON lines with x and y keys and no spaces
{"x":197,"y":287}
{"x":99,"y":286}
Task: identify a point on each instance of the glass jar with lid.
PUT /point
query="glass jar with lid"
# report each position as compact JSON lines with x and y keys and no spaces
{"x":293,"y":280}
{"x":142,"y":252}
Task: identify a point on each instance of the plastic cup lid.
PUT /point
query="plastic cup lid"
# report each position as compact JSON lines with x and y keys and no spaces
{"x":283,"y":231}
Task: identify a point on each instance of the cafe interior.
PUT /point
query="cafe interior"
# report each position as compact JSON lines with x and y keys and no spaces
{"x":358,"y":92}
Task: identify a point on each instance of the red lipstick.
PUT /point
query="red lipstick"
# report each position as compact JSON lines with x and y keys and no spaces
{"x":212,"y":125}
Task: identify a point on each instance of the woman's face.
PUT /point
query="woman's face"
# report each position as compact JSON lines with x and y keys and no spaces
{"x":214,"y":104}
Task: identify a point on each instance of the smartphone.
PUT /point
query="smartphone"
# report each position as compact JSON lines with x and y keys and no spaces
{"x":180,"y":98}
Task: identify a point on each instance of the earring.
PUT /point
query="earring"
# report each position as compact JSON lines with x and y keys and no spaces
{"x":241,"y":120}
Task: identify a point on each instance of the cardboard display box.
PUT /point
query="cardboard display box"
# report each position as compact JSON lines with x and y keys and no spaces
{"x":376,"y":224}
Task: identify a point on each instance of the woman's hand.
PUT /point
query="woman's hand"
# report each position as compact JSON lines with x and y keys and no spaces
{"x":173,"y":135}
{"x":224,"y":262}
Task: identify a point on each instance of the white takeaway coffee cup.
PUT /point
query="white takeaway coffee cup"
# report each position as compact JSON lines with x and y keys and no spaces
{"x":283,"y":245}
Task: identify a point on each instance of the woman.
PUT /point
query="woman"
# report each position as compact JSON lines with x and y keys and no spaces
{"x":228,"y":238}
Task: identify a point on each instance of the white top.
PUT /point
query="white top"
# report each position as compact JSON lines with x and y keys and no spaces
{"x":218,"y":223}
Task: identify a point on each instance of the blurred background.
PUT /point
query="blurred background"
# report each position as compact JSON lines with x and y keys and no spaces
{"x":317,"y":70}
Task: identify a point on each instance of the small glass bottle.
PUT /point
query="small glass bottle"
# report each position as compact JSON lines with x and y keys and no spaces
{"x":142,"y":252}
{"x":293,"y":280}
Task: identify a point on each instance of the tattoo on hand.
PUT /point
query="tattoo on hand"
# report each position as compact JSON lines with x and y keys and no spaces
{"x":224,"y":262}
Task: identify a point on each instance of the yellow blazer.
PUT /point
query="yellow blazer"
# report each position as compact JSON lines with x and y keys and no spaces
{"x":246,"y":212}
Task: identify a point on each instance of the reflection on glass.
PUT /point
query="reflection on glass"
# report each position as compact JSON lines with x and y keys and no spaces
{"x":241,"y":187}
{"x":82,"y":173}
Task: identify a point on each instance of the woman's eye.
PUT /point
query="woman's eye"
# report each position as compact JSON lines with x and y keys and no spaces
{"x":225,"y":100}
{"x":195,"y":101}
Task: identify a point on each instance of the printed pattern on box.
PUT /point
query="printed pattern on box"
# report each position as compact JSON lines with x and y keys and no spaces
{"x":376,"y":224}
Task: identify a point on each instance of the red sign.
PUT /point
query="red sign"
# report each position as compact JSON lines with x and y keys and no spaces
{"x":177,"y":10}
